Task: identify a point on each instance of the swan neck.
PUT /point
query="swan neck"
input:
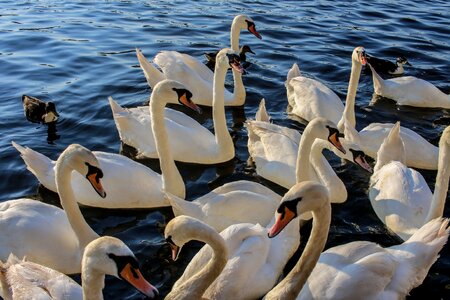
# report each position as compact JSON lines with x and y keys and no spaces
{"x":83,"y":231}
{"x":349,"y":109}
{"x":171,"y":177}
{"x":292,"y":284}
{"x":441,"y":186}
{"x":234,"y":36}
{"x":303,"y":168}
{"x":223,"y":138}
{"x":92,"y":284}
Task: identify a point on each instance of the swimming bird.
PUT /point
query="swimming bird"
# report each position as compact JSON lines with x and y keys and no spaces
{"x":211,"y":56}
{"x":388,"y":67}
{"x":38,"y":111}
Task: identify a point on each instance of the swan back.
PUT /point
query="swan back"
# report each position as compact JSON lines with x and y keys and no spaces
{"x":392,"y":148}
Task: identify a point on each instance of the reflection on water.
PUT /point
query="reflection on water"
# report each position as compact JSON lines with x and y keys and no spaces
{"x":82,"y":52}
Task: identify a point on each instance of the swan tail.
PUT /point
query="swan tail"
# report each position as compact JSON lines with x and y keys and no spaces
{"x":40,"y":165}
{"x":151,"y":73}
{"x":293,"y":72}
{"x":424,"y":245}
{"x":183,"y":207}
{"x":261,"y":113}
{"x":392,"y":148}
{"x":378,"y":82}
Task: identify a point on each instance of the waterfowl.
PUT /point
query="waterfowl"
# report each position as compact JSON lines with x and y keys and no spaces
{"x":204,"y":147}
{"x":33,"y":229}
{"x":197,"y":77}
{"x":21,"y":279}
{"x":410,"y":90}
{"x":274,"y":150}
{"x":343,"y":272}
{"x":388,"y":67}
{"x":211,"y":56}
{"x":400,"y":196}
{"x":38,"y":111}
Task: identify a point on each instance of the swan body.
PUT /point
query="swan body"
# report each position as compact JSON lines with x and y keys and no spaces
{"x":204,"y":147}
{"x":274,"y":149}
{"x":399,"y":195}
{"x":310,"y":98}
{"x":410,"y":90}
{"x":420,"y":154}
{"x":132,"y":185}
{"x":343,"y":272}
{"x":197,"y":77}
{"x":21,"y":279}
{"x":31,"y":228}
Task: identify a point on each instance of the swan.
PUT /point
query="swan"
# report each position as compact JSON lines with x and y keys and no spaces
{"x":130,"y":184}
{"x":410,"y":90}
{"x":275,"y":148}
{"x":357,"y":270}
{"x":197,"y":77}
{"x":33,"y":229}
{"x":183,"y":229}
{"x":385,"y":66}
{"x":421,"y":154}
{"x":254,"y":260}
{"x":399,"y":195}
{"x":106,"y":255}
{"x":204,"y":147}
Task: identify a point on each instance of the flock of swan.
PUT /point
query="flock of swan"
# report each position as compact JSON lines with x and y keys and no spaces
{"x":250,"y":231}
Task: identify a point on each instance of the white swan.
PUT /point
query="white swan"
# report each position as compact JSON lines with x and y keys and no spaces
{"x":357,"y":270}
{"x":410,"y":90}
{"x":399,"y":195}
{"x":44,"y":233}
{"x":130,"y":184}
{"x":204,"y":147}
{"x":197,"y":77}
{"x":183,"y":229}
{"x":254,"y":261}
{"x":420,"y":154}
{"x":275,"y":148}
{"x":103,"y":256}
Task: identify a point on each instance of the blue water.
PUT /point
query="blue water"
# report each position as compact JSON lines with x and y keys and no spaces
{"x":79,"y":53}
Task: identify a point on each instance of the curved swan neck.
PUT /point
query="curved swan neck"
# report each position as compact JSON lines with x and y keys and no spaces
{"x":320,"y":164}
{"x":195,"y":287}
{"x":239,"y":89}
{"x":349,"y":109}
{"x":441,"y":186}
{"x":83,"y":231}
{"x":292,"y":284}
{"x":303,"y":168}
{"x":223,"y":138}
{"x":234,"y":36}
{"x":171,"y":177}
{"x":92,"y":284}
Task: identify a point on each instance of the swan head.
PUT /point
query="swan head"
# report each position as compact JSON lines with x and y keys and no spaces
{"x":182,"y":229}
{"x":401,"y":60}
{"x":84,"y":162}
{"x":173,"y":91}
{"x":359,"y":157}
{"x":110,"y":256}
{"x":359,"y":55}
{"x":227,"y":58}
{"x":303,"y":197}
{"x":326,"y":130}
{"x":245,"y":22}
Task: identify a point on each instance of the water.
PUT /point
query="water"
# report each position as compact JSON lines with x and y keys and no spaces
{"x":79,"y":53}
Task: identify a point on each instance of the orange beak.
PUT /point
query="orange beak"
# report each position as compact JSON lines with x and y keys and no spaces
{"x":96,"y":184}
{"x":135,"y":278}
{"x":363,"y":59}
{"x":175,"y":251}
{"x":281,"y":222}
{"x":190,"y":104}
{"x":334,"y":139}
{"x":252,"y":29}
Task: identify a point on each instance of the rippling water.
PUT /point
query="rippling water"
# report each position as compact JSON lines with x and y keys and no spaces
{"x":79,"y":53}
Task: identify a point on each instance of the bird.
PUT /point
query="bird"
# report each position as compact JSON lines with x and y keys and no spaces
{"x":399,"y":195}
{"x":197,"y":77}
{"x":38,"y":111}
{"x":44,"y":233}
{"x":211,"y":56}
{"x":22,"y":279}
{"x":386,"y":66}
{"x":344,"y":271}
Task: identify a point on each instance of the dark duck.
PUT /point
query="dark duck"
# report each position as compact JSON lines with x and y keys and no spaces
{"x":38,"y":111}
{"x":211,"y":56}
{"x":387,"y":67}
